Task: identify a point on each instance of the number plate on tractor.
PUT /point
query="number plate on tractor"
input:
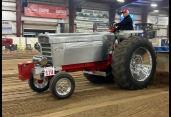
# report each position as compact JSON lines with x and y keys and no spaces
{"x":49,"y":71}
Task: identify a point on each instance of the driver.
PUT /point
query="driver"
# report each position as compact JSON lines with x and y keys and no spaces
{"x":126,"y":23}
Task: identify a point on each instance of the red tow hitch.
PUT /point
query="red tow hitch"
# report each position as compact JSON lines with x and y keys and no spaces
{"x":24,"y":70}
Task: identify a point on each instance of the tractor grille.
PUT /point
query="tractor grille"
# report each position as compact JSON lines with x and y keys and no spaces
{"x":43,"y":39}
{"x":46,"y":51}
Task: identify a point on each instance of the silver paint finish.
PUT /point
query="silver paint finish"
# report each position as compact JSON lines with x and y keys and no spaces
{"x":74,"y":48}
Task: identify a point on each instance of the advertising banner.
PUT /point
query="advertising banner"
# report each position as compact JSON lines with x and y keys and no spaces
{"x":100,"y":27}
{"x":84,"y":24}
{"x":92,"y":15}
{"x":83,"y":31}
{"x":6,"y":27}
{"x":158,"y":20}
{"x":37,"y":10}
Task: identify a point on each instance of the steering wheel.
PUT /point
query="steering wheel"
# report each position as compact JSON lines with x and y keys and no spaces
{"x":112,"y":25}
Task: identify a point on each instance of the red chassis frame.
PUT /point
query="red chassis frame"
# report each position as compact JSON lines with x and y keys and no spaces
{"x":24,"y":69}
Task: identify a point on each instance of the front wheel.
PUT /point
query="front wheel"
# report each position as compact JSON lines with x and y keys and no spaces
{"x":38,"y":85}
{"x":62,"y":85}
{"x":134,"y":63}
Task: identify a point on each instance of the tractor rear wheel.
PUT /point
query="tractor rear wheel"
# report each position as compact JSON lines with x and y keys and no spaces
{"x":134,"y":63}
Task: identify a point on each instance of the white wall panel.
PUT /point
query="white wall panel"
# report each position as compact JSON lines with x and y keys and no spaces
{"x":23,"y":18}
{"x":162,"y":28}
{"x":14,"y":28}
{"x":8,"y":8}
{"x":95,"y":6}
{"x":162,"y":32}
{"x":9,"y":4}
{"x":9,"y":36}
{"x":16,"y":40}
{"x":39,"y":27}
{"x":8,"y":15}
{"x":117,"y":16}
{"x":22,"y":41}
{"x":137,"y":17}
{"x":9,"y":0}
{"x":117,"y":20}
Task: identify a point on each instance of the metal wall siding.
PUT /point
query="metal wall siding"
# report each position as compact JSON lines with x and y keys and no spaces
{"x":50,"y":2}
{"x":39,"y":27}
{"x":95,"y":6}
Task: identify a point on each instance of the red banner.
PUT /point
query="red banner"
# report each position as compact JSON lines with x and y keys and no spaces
{"x":37,"y":10}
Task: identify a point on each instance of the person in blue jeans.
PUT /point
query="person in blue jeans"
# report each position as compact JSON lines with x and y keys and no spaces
{"x":37,"y":46}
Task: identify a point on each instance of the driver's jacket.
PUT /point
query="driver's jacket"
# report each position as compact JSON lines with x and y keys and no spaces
{"x":125,"y":24}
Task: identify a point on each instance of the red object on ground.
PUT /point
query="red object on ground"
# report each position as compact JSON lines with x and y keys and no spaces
{"x":7,"y":41}
{"x":24,"y":70}
{"x":46,"y":11}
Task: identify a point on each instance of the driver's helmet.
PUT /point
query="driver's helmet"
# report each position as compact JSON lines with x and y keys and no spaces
{"x":125,"y":11}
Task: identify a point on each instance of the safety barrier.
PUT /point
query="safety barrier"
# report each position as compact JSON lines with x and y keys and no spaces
{"x":160,"y":45}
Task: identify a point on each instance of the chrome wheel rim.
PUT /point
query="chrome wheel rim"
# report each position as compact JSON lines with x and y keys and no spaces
{"x":63,"y":86}
{"x":141,"y":64}
{"x":40,"y":85}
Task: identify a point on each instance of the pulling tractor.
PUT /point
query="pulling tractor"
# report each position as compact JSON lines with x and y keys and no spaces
{"x":131,"y":63}
{"x":7,"y":42}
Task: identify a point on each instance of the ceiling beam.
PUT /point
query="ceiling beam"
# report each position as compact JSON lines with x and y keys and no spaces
{"x":159,"y":6}
{"x":79,"y":2}
{"x":101,"y":1}
{"x":114,"y":4}
{"x":117,"y":5}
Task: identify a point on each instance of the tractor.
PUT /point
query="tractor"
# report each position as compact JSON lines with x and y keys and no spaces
{"x":8,"y":43}
{"x":102,"y":57}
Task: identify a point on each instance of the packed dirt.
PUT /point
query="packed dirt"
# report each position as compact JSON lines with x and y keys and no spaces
{"x":88,"y":100}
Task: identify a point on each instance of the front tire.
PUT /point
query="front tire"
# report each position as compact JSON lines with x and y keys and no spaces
{"x":132,"y":67}
{"x":62,"y":85}
{"x":38,"y":86}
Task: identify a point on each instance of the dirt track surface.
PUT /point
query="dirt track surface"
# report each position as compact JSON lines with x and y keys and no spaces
{"x":88,"y":100}
{"x":18,"y":55}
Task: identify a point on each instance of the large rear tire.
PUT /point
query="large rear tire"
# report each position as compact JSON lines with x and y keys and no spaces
{"x":134,"y":63}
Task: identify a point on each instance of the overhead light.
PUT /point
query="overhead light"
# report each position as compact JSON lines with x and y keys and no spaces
{"x":153,"y":5}
{"x":156,"y":10}
{"x":121,"y":0}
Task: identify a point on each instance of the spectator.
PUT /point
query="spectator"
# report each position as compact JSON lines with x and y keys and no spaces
{"x":37,"y":46}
